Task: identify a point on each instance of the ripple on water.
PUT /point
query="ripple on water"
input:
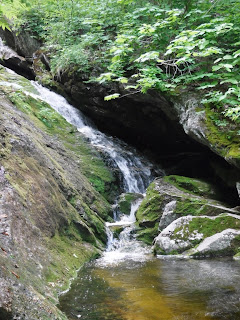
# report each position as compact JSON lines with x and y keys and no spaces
{"x":156,"y":290}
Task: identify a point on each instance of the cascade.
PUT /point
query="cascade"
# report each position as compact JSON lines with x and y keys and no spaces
{"x":137,"y":173}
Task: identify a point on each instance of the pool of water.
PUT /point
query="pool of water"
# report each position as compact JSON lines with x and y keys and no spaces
{"x":155,"y":289}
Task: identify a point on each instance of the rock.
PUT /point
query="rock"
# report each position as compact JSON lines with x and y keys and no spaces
{"x":218,"y":234}
{"x":168,"y":215}
{"x":193,"y":186}
{"x":50,"y":210}
{"x":126,"y":200}
{"x":237,"y":256}
{"x":206,"y":126}
{"x":21,"y":42}
{"x":173,"y":239}
{"x":9,"y":58}
{"x":171,"y":197}
{"x":180,"y":126}
{"x":238,"y":188}
{"x":224,"y":243}
{"x":148,"y":121}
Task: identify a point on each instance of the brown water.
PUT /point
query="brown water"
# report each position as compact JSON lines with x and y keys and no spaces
{"x":155,"y":290}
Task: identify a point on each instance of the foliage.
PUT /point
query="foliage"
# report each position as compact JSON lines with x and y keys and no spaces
{"x":9,"y":10}
{"x":146,"y":44}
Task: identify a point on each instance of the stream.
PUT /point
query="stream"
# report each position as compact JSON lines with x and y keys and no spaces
{"x":127,"y":282}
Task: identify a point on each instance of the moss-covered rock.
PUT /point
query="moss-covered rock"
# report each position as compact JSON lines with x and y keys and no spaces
{"x":51,"y":213}
{"x":171,"y":197}
{"x":224,"y":243}
{"x":223,"y":136}
{"x":209,"y":236}
{"x":126,"y":200}
{"x":194,"y":186}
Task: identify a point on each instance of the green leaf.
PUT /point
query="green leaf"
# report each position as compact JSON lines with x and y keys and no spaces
{"x":112,"y":96}
{"x":231,"y":80}
{"x":122,"y":80}
{"x":227,"y":57}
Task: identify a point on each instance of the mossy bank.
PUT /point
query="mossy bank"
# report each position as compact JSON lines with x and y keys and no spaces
{"x":53,"y":203}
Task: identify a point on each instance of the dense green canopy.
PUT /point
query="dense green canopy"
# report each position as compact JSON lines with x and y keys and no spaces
{"x":163,"y":45}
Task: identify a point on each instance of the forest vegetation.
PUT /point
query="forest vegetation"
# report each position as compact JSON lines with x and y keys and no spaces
{"x":164,"y":45}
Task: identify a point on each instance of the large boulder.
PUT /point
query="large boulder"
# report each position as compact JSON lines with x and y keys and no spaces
{"x":148,"y":121}
{"x":208,"y":236}
{"x":171,"y":197}
{"x":21,"y":41}
{"x":223,"y":243}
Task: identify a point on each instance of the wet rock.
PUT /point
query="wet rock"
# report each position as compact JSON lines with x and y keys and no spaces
{"x":203,"y":124}
{"x":148,"y":121}
{"x":21,"y":42}
{"x":126,"y":200}
{"x":173,"y":239}
{"x":168,"y":215}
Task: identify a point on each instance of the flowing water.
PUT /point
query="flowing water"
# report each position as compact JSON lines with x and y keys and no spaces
{"x":127,"y":282}
{"x":137,"y":172}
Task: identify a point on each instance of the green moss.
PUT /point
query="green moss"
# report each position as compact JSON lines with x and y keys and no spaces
{"x":225,"y":139}
{"x":68,"y":253}
{"x":205,"y":226}
{"x":116,"y":231}
{"x":148,"y":234}
{"x":158,"y":251}
{"x":125,"y":202}
{"x":195,"y":207}
{"x":237,"y":256}
{"x":209,"y":227}
{"x":190,"y":185}
{"x":150,"y":209}
{"x":148,"y":215}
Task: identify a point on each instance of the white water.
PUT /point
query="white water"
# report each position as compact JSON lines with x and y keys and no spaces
{"x":126,"y":247}
{"x":136,"y":171}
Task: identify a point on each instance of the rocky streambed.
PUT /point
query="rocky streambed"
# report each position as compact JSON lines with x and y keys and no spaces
{"x":181,"y":213}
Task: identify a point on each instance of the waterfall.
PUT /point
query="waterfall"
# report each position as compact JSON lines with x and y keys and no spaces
{"x":136,"y":170}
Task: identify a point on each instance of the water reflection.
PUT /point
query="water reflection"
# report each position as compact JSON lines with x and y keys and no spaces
{"x":156,"y":290}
